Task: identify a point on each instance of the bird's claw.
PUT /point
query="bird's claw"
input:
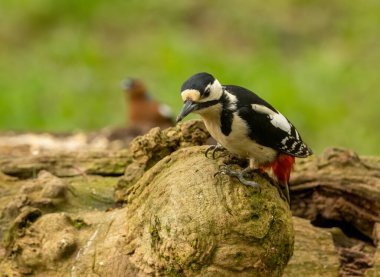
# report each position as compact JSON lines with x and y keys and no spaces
{"x":222,"y":169}
{"x":214,"y":149}
{"x":226,"y":170}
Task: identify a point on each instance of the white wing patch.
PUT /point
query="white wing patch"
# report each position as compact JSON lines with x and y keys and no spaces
{"x":277,"y":119}
{"x":284,"y":140}
{"x":165,"y":111}
{"x":297,"y":135}
{"x":216,"y":92}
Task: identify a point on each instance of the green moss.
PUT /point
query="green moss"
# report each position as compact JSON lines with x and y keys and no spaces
{"x":20,"y":224}
{"x":173,"y":272}
{"x":194,"y":267}
{"x":177,"y":259}
{"x":88,"y":193}
{"x":167,"y":228}
{"x":79,"y":223}
{"x":278,"y":255}
{"x":239,"y":256}
{"x":154,"y":229}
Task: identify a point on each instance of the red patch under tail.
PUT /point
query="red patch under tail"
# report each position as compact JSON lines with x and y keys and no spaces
{"x":282,"y":167}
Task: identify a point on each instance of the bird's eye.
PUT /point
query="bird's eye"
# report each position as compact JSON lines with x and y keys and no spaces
{"x":207,"y":93}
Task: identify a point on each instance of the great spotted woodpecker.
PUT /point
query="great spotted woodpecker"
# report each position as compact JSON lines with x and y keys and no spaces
{"x":245,"y":125}
{"x":144,"y":112}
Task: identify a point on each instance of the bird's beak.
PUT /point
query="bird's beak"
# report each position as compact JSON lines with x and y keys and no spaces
{"x":187,"y":108}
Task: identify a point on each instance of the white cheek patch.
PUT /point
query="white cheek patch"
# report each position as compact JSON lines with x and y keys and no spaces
{"x":216,"y":91}
{"x":277,"y":119}
{"x":190,"y":94}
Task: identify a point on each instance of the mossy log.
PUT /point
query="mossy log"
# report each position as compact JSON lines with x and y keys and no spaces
{"x":175,"y":218}
{"x":179,"y":220}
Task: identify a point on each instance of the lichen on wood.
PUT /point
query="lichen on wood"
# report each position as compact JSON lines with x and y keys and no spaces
{"x":179,"y":220}
{"x":197,"y":224}
{"x":172,"y":217}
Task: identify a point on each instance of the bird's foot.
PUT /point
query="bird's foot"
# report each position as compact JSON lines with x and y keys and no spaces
{"x":226,"y":170}
{"x":249,"y":170}
{"x":213,"y":149}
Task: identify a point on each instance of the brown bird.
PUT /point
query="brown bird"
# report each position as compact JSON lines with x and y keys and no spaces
{"x":145,"y":112}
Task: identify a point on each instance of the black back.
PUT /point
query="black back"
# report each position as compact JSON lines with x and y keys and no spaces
{"x":260,"y":127}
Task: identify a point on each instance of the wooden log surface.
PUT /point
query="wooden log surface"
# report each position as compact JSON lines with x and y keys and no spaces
{"x":337,"y":190}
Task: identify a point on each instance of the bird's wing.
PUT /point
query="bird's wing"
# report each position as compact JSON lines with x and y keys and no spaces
{"x":267,"y":126}
{"x":165,"y":111}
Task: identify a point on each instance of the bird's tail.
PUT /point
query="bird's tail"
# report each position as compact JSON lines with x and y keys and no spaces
{"x":282,"y":168}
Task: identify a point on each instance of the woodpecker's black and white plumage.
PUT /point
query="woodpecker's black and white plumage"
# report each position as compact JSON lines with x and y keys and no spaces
{"x":245,"y":125}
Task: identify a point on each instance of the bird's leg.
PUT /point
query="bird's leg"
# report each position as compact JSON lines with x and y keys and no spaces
{"x":250,"y":168}
{"x":214,"y":148}
{"x":225,"y":169}
{"x":283,"y":192}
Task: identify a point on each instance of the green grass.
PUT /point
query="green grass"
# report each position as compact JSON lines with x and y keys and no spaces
{"x":61,"y":63}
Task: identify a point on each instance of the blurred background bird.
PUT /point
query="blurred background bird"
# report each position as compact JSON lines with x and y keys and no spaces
{"x":143,"y":111}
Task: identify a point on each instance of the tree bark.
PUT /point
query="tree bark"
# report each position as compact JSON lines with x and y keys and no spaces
{"x":341,"y":189}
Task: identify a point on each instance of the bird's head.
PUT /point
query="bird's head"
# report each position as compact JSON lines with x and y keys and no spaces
{"x":199,"y":93}
{"x":134,"y":88}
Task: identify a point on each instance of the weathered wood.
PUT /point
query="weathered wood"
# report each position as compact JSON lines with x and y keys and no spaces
{"x":341,"y":189}
{"x":143,"y":152}
{"x":374,"y":271}
{"x":179,"y":220}
{"x":167,"y":193}
{"x":314,"y":252}
{"x":338,"y":186}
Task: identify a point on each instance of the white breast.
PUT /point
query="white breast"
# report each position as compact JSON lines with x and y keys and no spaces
{"x":238,"y":141}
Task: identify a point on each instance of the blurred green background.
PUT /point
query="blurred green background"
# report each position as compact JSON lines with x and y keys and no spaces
{"x":61,"y":62}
